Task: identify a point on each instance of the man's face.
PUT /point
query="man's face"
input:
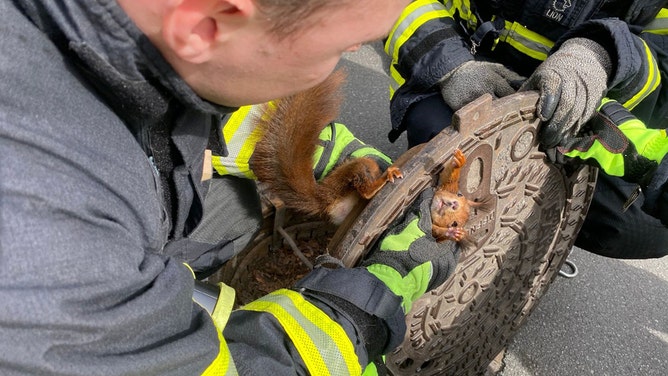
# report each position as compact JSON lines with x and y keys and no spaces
{"x":255,"y":66}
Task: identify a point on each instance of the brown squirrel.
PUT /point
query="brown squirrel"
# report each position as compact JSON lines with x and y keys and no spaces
{"x":450,"y":210}
{"x":283,"y":157}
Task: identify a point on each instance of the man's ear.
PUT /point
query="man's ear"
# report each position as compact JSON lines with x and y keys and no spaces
{"x":191,"y":28}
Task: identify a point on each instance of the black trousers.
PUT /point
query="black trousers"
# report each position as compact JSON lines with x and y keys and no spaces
{"x":607,"y":230}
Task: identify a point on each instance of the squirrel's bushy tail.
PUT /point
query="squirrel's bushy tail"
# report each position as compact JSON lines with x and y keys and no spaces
{"x":283,"y":158}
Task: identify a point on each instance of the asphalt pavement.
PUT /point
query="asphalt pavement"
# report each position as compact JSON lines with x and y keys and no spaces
{"x":611,"y":319}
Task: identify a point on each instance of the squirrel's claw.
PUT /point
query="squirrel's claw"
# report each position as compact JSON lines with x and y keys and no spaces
{"x":455,"y":233}
{"x":393,"y":173}
{"x":459,"y":159}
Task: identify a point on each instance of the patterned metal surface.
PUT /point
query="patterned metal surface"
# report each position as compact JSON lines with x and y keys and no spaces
{"x":520,"y":242}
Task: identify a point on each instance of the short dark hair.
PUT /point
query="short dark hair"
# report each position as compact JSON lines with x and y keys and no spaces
{"x":288,"y":16}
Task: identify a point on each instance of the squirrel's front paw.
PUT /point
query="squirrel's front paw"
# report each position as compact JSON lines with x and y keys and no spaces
{"x":393,"y":173}
{"x":459,"y":159}
{"x":448,"y":233}
{"x":455,"y":233}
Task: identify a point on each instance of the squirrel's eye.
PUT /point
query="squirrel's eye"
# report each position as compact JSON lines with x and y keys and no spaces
{"x":459,"y":194}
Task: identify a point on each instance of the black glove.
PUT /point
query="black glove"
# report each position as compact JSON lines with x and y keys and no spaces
{"x":572,"y":81}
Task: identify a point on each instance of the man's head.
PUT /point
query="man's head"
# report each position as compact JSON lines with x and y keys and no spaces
{"x":238,"y":52}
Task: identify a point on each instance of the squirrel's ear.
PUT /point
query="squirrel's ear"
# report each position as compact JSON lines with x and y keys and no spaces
{"x":194,"y":28}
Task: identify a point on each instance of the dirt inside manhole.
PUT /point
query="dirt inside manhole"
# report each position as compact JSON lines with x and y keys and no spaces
{"x":264,"y":269}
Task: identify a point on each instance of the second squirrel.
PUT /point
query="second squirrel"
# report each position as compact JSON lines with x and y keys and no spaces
{"x":450,"y":210}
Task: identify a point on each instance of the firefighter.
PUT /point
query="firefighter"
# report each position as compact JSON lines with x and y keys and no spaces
{"x":600,"y":60}
{"x":106,"y":110}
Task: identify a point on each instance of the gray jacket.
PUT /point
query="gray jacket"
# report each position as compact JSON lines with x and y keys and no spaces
{"x":101,"y":148}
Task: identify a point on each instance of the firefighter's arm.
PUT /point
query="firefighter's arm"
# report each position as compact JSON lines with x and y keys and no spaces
{"x":635,"y":69}
{"x":336,"y":321}
{"x":240,"y":135}
{"x":424,"y":45}
{"x":338,"y":144}
{"x":425,"y":33}
{"x":621,"y":145}
{"x":333,"y":322}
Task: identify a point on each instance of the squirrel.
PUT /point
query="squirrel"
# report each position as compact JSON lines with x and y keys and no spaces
{"x":283,"y":157}
{"x":450,"y":209}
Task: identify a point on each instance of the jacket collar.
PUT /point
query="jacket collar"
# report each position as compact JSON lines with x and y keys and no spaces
{"x":117,"y":55}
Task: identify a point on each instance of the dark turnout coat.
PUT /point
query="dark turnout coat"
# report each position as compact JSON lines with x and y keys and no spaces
{"x":101,"y":152}
{"x":521,"y":34}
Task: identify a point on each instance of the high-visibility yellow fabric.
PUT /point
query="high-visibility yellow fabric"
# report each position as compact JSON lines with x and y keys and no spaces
{"x":651,"y":83}
{"x":413,"y":16}
{"x":659,"y":25}
{"x":222,"y":365}
{"x":241,"y":135}
{"x":221,"y":313}
{"x":526,"y":41}
{"x":322,"y":343}
{"x":340,"y":143}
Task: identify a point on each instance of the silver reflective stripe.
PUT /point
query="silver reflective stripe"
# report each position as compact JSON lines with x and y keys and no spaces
{"x":416,"y":14}
{"x":321,"y":342}
{"x":241,"y":135}
{"x":526,"y":41}
{"x":659,"y":25}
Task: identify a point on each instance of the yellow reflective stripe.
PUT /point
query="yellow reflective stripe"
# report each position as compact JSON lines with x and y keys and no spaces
{"x":240,"y":135}
{"x":346,"y":145}
{"x":189,"y":268}
{"x":223,"y":309}
{"x":465,"y":13}
{"x":396,"y":80}
{"x":653,"y":80}
{"x":236,"y":119}
{"x":659,"y":25}
{"x":402,"y":22}
{"x":367,"y":151}
{"x":414,"y":15}
{"x":343,"y":138}
{"x":526,"y":41}
{"x":220,"y":163}
{"x":223,"y":364}
{"x":408,"y":32}
{"x":322,"y":343}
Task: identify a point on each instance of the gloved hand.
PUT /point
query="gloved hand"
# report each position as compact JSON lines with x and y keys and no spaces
{"x":337,"y":144}
{"x":617,"y":142}
{"x":571,"y":82}
{"x":408,"y":259}
{"x":475,"y":78}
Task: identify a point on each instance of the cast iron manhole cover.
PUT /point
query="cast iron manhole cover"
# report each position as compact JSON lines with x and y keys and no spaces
{"x":521,"y":243}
